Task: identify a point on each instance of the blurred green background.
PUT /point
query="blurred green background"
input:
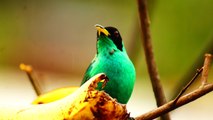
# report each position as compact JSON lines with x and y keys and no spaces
{"x":58,"y":39}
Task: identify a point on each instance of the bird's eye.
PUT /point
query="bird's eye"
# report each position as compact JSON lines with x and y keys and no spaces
{"x":116,"y":34}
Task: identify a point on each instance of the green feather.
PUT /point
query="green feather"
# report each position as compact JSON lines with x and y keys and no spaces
{"x":116,"y":65}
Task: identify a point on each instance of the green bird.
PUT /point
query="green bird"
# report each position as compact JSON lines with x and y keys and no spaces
{"x":112,"y":59}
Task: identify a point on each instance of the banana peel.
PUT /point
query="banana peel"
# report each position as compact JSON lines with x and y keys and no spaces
{"x":86,"y":103}
{"x":54,"y":95}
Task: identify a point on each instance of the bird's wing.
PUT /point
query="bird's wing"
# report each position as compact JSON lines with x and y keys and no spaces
{"x":87,"y":74}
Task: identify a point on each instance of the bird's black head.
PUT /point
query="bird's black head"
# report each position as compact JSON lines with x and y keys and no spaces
{"x":112,"y":33}
{"x":115,"y":36}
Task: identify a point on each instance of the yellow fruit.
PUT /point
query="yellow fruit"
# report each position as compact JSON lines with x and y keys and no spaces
{"x":54,"y":95}
{"x":86,"y":103}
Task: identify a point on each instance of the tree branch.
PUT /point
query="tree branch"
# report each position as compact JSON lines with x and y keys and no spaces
{"x":29,"y":71}
{"x":206,"y":66}
{"x":189,"y":84}
{"x":147,"y":45}
{"x":181,"y":101}
{"x":196,"y":64}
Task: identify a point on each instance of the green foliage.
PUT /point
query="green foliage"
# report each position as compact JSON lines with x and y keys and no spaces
{"x":180,"y":31}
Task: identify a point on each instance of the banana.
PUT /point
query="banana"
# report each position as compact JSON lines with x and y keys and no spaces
{"x":54,"y":95}
{"x":86,"y":103}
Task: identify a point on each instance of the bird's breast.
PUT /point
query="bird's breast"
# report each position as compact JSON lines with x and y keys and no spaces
{"x":121,"y":74}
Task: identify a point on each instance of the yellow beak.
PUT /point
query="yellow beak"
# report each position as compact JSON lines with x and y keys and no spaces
{"x":101,"y":29}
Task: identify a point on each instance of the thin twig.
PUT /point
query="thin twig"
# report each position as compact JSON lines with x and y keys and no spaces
{"x":189,"y":84}
{"x":181,"y":101}
{"x":196,"y":64}
{"x":29,"y":70}
{"x":204,"y":77}
{"x":206,"y":66}
{"x":147,"y":45}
